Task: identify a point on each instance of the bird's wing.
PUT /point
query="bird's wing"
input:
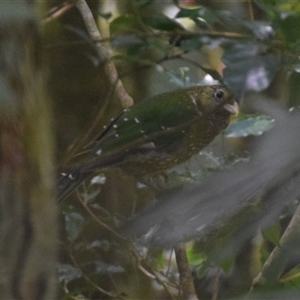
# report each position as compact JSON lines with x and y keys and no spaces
{"x":157,"y":124}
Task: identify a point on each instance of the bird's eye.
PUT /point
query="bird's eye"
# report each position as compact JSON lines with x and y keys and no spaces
{"x":219,"y":94}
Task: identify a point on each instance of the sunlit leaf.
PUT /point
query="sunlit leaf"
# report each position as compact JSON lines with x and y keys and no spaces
{"x":209,"y":15}
{"x":250,"y":126}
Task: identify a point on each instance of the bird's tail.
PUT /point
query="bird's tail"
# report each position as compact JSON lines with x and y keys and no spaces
{"x":70,"y":179}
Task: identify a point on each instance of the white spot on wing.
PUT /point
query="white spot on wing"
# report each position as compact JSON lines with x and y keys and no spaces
{"x":136,"y":120}
{"x":115,"y":126}
{"x":99,"y":152}
{"x":125,"y":119}
{"x":71,"y":176}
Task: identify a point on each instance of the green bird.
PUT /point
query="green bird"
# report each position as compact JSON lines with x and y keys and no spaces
{"x":155,"y":135}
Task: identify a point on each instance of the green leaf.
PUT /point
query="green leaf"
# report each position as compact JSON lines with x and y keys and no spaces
{"x":123,"y":25}
{"x":67,"y":273}
{"x":161,"y":22}
{"x":249,"y":126}
{"x":73,"y":223}
{"x":205,"y":13}
{"x":141,"y":3}
{"x":272,"y":234}
{"x":105,"y":16}
{"x":289,"y":28}
{"x":193,"y":43}
{"x":127,"y":40}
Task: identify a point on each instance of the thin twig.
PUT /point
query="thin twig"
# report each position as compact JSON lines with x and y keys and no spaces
{"x":90,"y":281}
{"x":216,"y":285}
{"x":91,"y":213}
{"x":115,"y":84}
{"x":109,"y":67}
{"x":58,"y":11}
{"x":186,"y":279}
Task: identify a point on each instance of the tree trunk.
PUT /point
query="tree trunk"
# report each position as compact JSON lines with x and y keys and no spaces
{"x":27,"y":208}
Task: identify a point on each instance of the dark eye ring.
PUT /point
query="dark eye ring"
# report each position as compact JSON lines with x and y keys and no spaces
{"x":219,"y":94}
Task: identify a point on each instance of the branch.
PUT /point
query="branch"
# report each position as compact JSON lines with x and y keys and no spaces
{"x":109,"y":67}
{"x":186,"y":280}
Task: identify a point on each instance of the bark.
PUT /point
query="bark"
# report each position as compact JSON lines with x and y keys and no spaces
{"x":27,"y":208}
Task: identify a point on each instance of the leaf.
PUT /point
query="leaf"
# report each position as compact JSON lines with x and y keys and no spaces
{"x":103,"y":244}
{"x":193,"y":43}
{"x":73,"y":223}
{"x":105,"y":16}
{"x":141,"y":3}
{"x":123,"y":25}
{"x":289,"y":28}
{"x":67,"y":273}
{"x":162,"y":22}
{"x":249,"y":126}
{"x":209,"y":15}
{"x":126,"y":40}
{"x":104,"y":268}
{"x":272,"y":234}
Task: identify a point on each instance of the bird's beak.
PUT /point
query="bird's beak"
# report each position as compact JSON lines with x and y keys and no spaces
{"x":232,"y":108}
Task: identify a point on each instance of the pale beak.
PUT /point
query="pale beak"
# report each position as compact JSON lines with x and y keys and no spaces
{"x":232,"y":108}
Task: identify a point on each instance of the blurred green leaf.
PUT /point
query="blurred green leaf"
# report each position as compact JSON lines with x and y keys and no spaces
{"x":67,"y":273}
{"x":104,"y":268}
{"x":74,"y":223}
{"x":141,"y":3}
{"x":288,"y":27}
{"x":273,"y":233}
{"x":209,"y":15}
{"x":249,"y":126}
{"x":127,"y":40}
{"x":105,"y":16}
{"x":193,"y":43}
{"x":123,"y":25}
{"x":162,"y":22}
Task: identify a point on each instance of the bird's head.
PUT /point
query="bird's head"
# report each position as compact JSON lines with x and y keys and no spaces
{"x":217,"y":98}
